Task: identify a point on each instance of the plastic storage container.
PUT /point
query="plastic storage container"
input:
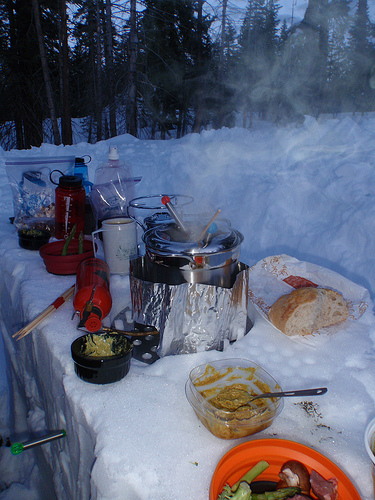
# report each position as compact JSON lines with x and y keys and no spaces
{"x":232,"y":418}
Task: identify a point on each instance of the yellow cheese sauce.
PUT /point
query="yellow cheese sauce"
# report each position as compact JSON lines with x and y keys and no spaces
{"x":98,"y":346}
{"x":228,"y":393}
{"x":231,"y":397}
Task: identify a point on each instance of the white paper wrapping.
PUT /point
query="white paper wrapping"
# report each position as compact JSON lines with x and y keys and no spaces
{"x":266,"y":285}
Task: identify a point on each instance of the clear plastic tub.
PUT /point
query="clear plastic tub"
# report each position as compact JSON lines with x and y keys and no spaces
{"x":219,"y":394}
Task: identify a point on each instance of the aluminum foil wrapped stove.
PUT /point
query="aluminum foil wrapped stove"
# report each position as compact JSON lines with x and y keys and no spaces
{"x":191,"y":317}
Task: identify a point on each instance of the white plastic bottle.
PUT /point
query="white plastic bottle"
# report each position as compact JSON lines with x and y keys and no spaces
{"x":113,"y":170}
{"x":113,"y":188}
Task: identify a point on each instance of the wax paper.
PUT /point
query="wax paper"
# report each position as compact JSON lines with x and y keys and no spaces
{"x":268,"y":280}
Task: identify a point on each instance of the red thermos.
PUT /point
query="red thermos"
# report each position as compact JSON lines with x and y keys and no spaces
{"x":70,"y":200}
{"x":92,"y":299}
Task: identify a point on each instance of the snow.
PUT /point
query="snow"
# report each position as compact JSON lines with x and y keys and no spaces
{"x":303,"y":190}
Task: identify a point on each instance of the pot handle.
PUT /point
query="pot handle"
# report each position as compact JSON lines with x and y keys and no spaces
{"x":137,"y":221}
{"x":175,"y":255}
{"x":97,"y":244}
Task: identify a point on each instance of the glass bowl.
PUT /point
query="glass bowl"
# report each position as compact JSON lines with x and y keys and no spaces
{"x":219,"y":393}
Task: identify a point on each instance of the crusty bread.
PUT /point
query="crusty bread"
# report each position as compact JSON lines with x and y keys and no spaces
{"x":308,"y":309}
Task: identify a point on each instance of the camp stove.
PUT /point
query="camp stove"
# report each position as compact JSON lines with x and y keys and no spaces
{"x":190,"y":284}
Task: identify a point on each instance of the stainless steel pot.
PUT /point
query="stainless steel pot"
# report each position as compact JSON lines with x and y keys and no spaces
{"x":173,"y":256}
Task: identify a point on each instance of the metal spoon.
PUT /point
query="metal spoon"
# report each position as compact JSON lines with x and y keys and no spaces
{"x":287,"y":394}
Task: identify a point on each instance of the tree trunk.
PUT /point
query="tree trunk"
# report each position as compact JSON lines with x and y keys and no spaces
{"x":131,"y":118}
{"x":66,"y":120}
{"x":223,"y":24}
{"x":323,"y":52}
{"x":198,"y":107}
{"x":27,"y":79}
{"x":99,"y":100}
{"x":14,"y":68}
{"x":47,"y":80}
{"x":218,"y":122}
{"x":92,"y":90}
{"x":110,"y":71}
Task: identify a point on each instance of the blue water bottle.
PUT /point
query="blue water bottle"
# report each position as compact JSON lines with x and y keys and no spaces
{"x":81,"y":170}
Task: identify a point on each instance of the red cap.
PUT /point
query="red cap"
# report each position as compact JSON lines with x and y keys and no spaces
{"x":165,"y":200}
{"x":93,"y":323}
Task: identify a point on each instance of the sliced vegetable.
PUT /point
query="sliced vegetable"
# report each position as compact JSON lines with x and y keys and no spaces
{"x":276,"y":495}
{"x":80,"y":242}
{"x":68,"y":240}
{"x":252,"y":473}
{"x":243,"y":492}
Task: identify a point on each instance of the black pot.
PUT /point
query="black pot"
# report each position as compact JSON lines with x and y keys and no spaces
{"x":33,"y":239}
{"x":102,"y":369}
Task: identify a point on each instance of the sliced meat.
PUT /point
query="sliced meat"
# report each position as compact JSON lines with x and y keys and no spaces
{"x":301,"y":496}
{"x":295,"y":473}
{"x":324,"y":489}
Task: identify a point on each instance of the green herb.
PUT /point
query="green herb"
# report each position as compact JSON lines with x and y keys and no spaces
{"x":80,"y":242}
{"x":31,"y":232}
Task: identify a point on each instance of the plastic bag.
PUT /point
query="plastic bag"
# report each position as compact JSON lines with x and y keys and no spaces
{"x":33,"y":191}
{"x":111,"y":199}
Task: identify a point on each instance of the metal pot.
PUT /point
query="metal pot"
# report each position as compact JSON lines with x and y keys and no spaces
{"x":173,"y":256}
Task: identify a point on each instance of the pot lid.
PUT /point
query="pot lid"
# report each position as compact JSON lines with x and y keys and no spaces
{"x":169,"y":239}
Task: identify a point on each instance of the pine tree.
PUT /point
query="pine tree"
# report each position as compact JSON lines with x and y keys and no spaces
{"x":259,"y":47}
{"x":338,"y":94}
{"x":22,"y":61}
{"x":170,"y":73}
{"x":362,"y":59}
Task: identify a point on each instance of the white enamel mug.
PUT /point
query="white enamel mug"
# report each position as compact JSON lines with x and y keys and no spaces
{"x":119,"y":243}
{"x":370,"y":440}
{"x":370,"y":447}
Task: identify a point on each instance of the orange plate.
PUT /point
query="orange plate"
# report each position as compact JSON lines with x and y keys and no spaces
{"x":240,"y":459}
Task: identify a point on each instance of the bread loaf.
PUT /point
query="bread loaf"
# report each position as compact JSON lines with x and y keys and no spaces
{"x":308,"y":309}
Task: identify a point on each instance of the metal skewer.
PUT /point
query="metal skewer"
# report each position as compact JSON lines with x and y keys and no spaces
{"x":167,"y":202}
{"x":17,"y":448}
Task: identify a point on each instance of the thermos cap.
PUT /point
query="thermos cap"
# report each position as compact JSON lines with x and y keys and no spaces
{"x":93,"y":323}
{"x":70,"y":181}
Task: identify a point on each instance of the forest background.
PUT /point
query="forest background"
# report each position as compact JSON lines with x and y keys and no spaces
{"x":165,"y":68}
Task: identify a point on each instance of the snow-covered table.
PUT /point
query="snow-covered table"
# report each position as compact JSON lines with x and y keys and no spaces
{"x":139,"y":438}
